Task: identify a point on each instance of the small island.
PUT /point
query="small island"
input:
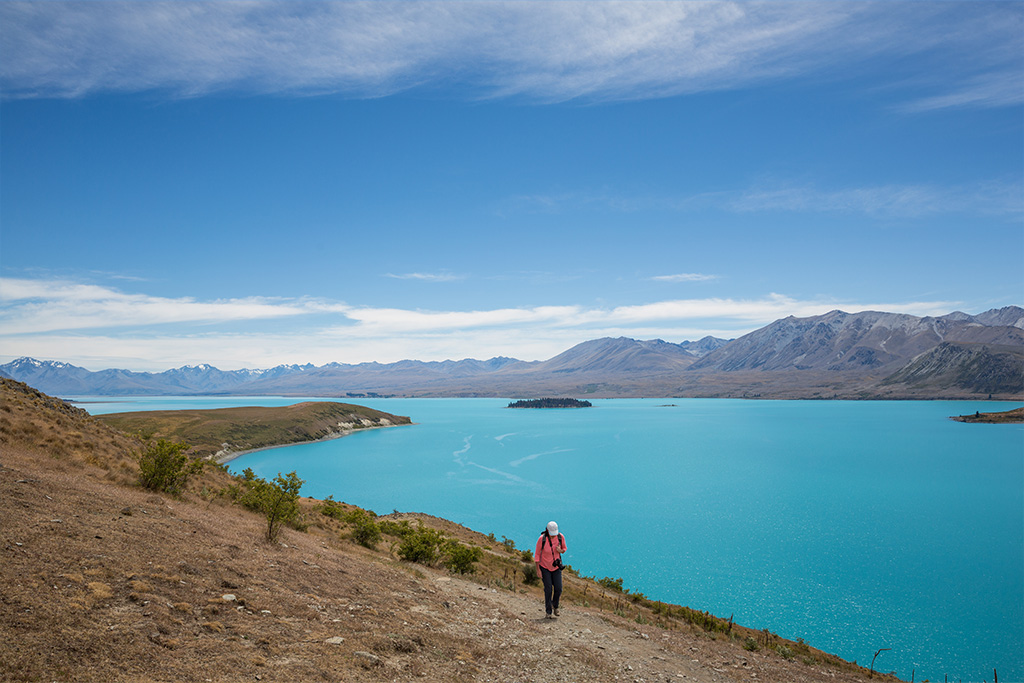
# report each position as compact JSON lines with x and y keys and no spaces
{"x":550,"y":403}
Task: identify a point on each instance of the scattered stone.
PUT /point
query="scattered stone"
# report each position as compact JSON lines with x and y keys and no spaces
{"x":126,"y":511}
{"x":335,"y":640}
{"x":228,"y":597}
{"x":366,"y":659}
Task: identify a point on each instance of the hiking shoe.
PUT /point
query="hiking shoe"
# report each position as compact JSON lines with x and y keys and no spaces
{"x":556,"y":612}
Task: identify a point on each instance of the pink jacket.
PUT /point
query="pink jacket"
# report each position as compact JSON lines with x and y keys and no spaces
{"x":548,"y":551}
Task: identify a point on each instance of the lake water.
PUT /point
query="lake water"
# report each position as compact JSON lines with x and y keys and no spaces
{"x":853,"y":525}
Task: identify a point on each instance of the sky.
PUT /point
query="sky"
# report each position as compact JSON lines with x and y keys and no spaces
{"x":261,"y":183}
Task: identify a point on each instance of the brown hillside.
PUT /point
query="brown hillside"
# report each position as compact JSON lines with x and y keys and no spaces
{"x":105,"y":581}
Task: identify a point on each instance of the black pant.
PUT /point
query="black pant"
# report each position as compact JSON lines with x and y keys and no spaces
{"x":552,"y":588}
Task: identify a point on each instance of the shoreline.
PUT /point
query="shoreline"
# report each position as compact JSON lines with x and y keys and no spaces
{"x":222,"y":458}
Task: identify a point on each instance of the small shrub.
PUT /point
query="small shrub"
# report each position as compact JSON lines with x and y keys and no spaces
{"x":277,"y":500}
{"x":530,"y":573}
{"x":462,"y":558}
{"x":163,"y":466}
{"x":509,"y":544}
{"x":365,"y":529}
{"x":750,"y":645}
{"x":332,"y":508}
{"x":611,"y":584}
{"x":527,"y":556}
{"x":422,"y":546}
{"x":784,"y":651}
{"x":400,"y":529}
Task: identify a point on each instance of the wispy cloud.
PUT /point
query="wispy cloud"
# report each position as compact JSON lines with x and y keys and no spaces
{"x":990,"y":198}
{"x":32,"y":306}
{"x":103,"y":327}
{"x":684,"y":277}
{"x":552,"y":51}
{"x":1000,"y":197}
{"x":427,"y":277}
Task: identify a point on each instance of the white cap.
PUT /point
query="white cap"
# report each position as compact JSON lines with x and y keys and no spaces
{"x":552,"y":529}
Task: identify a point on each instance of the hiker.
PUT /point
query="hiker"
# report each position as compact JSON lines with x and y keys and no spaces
{"x":548,"y":557}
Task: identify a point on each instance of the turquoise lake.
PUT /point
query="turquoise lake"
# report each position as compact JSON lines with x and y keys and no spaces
{"x":853,"y":525}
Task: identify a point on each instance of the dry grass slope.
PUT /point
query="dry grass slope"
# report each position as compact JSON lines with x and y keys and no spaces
{"x":105,"y":581}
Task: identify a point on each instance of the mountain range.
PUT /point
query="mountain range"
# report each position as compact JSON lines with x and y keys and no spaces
{"x":836,"y":355}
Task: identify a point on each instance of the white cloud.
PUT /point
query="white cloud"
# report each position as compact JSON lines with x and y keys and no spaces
{"x":50,"y":320}
{"x":992,"y":198}
{"x":427,"y":277}
{"x":684,"y":277}
{"x":32,"y":306}
{"x":551,"y":51}
{"x":998,"y":197}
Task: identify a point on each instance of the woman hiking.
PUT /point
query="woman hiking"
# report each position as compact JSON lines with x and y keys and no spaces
{"x":548,"y":558}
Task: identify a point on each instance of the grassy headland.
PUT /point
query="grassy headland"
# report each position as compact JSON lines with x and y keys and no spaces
{"x":224,"y":433}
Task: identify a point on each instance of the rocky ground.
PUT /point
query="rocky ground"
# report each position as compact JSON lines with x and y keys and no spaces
{"x":101,"y":580}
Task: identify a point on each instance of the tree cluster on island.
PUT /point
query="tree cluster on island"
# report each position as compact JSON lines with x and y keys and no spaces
{"x":550,"y":403}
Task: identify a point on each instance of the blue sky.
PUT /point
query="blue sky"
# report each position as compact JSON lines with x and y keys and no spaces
{"x":248,"y":184}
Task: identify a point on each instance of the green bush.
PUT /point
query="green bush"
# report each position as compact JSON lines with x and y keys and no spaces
{"x":530,"y":573}
{"x":422,"y":545}
{"x":750,"y":645}
{"x":277,"y":500}
{"x":332,"y":508}
{"x":527,"y":556}
{"x":429,"y":546}
{"x":612,"y":584}
{"x":163,"y":466}
{"x":365,"y":529}
{"x":461,"y":558}
{"x":400,"y":529}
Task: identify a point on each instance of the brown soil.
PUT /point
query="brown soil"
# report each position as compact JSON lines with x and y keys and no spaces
{"x":105,"y":581}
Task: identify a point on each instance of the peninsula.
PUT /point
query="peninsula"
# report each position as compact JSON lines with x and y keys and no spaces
{"x":226,"y":433}
{"x":1015,"y":416}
